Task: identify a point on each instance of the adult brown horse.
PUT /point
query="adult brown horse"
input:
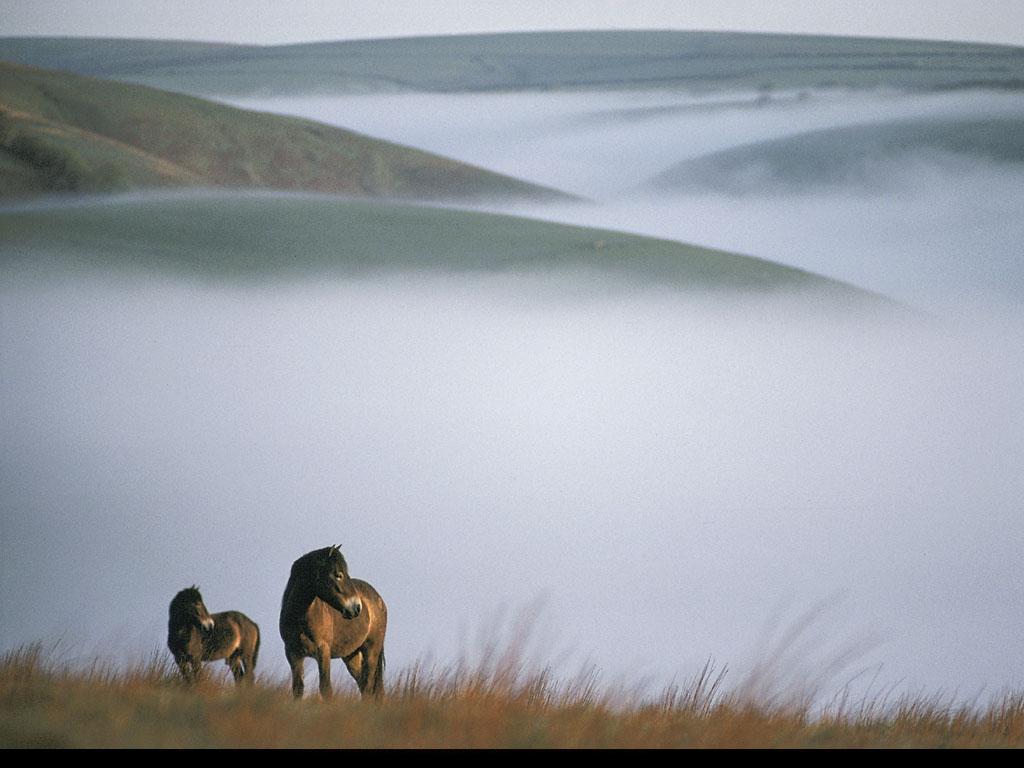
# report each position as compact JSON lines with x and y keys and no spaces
{"x":326,"y":614}
{"x":194,"y":635}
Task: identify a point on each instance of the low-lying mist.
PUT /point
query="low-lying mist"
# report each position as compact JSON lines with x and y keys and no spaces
{"x":670,"y":476}
{"x":938,"y":230}
{"x":942,"y":236}
{"x":603,"y":144}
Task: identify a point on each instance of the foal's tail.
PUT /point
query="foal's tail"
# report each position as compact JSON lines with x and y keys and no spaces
{"x":255,"y":653}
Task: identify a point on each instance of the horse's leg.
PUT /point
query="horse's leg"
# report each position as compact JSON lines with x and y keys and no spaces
{"x":297,"y":662}
{"x":374,"y":670}
{"x":357,"y":668}
{"x":323,"y":662}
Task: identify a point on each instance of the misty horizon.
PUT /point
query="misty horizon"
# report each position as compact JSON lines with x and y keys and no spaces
{"x":268,"y":23}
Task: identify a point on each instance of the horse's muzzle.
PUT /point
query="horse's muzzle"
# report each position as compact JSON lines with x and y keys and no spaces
{"x":351,"y":608}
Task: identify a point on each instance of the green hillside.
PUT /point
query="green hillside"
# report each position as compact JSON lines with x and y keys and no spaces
{"x":61,"y":132}
{"x":859,"y":154}
{"x":538,"y":60}
{"x":252,"y":237}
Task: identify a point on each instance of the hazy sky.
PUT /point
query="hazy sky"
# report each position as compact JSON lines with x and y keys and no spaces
{"x":272,"y":21}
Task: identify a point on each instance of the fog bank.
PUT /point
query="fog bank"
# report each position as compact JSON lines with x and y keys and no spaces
{"x":670,"y":475}
{"x":604,"y":143}
{"x":939,"y":231}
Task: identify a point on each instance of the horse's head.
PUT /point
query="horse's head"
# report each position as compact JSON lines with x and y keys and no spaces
{"x":187,"y":607}
{"x":333,"y":584}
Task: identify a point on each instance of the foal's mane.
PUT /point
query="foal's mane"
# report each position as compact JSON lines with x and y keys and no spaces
{"x":182,"y":600}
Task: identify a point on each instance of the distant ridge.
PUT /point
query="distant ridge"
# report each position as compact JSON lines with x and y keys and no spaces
{"x":61,"y":132}
{"x":532,"y":61}
{"x":847,"y":156}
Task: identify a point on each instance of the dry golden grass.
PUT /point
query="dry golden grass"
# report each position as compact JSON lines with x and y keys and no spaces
{"x":497,"y":702}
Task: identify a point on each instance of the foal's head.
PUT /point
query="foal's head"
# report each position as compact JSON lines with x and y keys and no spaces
{"x":187,"y":607}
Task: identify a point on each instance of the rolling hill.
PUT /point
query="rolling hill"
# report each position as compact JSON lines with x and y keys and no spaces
{"x":61,"y":132}
{"x":238,"y":236}
{"x":852,"y":155}
{"x":532,"y":61}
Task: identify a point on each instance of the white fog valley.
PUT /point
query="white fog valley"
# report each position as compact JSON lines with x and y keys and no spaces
{"x":637,"y":475}
{"x":925,"y":219}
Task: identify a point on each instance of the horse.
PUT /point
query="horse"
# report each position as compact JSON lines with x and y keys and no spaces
{"x":194,"y":635}
{"x":326,"y":614}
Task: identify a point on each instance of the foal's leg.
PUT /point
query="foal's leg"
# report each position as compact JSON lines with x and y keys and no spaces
{"x":248,"y":668}
{"x":185,"y":667}
{"x":297,"y":662}
{"x":237,"y":666}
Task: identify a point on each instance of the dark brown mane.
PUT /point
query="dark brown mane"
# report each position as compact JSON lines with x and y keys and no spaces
{"x":309,"y":562}
{"x":183,"y":600}
{"x":307,"y":565}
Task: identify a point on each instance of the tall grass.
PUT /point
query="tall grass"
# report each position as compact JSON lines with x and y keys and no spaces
{"x":499,"y":701}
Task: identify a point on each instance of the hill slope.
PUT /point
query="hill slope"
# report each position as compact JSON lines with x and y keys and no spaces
{"x":858,"y":154}
{"x":247,"y":237}
{"x":64,"y":132}
{"x":537,"y":60}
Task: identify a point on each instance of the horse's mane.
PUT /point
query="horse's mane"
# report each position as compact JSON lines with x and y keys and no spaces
{"x":306,"y":565}
{"x":303,"y":573}
{"x":186,"y":597}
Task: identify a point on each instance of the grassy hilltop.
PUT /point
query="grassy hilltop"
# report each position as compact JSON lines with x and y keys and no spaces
{"x":61,"y":132}
{"x":848,"y":155}
{"x":245,"y":237}
{"x":532,"y":61}
{"x":501,"y":705}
